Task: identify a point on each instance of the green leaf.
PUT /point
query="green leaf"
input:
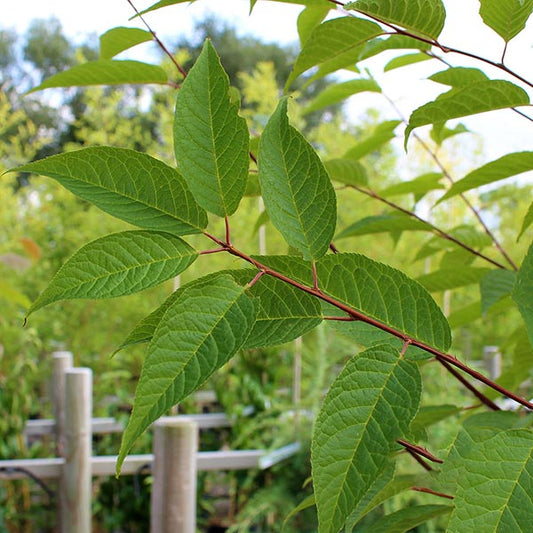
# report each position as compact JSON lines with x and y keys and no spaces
{"x":492,"y":470}
{"x":392,"y":42}
{"x":117,"y":40}
{"x":368,"y":407}
{"x":506,"y":17}
{"x":307,"y":502}
{"x":284,"y":313}
{"x":128,"y":185}
{"x":522,"y":291}
{"x":309,"y":19}
{"x":499,"y":169}
{"x":336,"y":93}
{"x":336,"y":41}
{"x":376,"y":290}
{"x":106,"y":72}
{"x":210,"y":138}
{"x":446,"y":279}
{"x":382,"y":134}
{"x":528,"y":220}
{"x":162,"y":3}
{"x":478,"y":97}
{"x":292,"y":177}
{"x":196,"y":336}
{"x":465,"y":315}
{"x":423,"y":17}
{"x":118,"y":264}
{"x":494,"y":285}
{"x":392,"y":488}
{"x":439,"y":132}
{"x":406,"y":519}
{"x":11,"y":295}
{"x":405,"y":60}
{"x":396,"y":222}
{"x":432,"y":414}
{"x":459,"y":76}
{"x":347,"y":171}
{"x":419,"y":186}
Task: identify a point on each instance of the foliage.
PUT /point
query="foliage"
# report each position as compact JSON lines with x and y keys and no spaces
{"x":373,"y":409}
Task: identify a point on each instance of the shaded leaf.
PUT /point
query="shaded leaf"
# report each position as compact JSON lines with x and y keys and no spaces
{"x":338,"y":92}
{"x":439,"y":132}
{"x":406,"y":60}
{"x":528,"y":220}
{"x":424,"y":17}
{"x":491,"y":468}
{"x":418,"y":186}
{"x":118,"y":264}
{"x":433,"y":414}
{"x":376,"y":290}
{"x":494,"y":285}
{"x":292,"y":177}
{"x":506,"y":17}
{"x":128,"y":185}
{"x":382,"y":134}
{"x":347,"y":171}
{"x":396,"y":222}
{"x":368,"y":407}
{"x":11,"y":295}
{"x":522,"y":291}
{"x":117,"y":40}
{"x":210,"y":138}
{"x":499,"y":169}
{"x":466,"y":315}
{"x":196,"y":336}
{"x":479,"y":97}
{"x":106,"y":72}
{"x":336,"y":40}
{"x":407,"y":519}
{"x":452,"y":278}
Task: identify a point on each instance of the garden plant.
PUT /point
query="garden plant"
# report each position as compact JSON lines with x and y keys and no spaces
{"x":183,"y":213}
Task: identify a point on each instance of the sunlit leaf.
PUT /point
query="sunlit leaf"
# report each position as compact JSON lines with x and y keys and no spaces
{"x":406,"y":60}
{"x":117,"y":40}
{"x":347,"y":171}
{"x":106,"y":72}
{"x":424,"y":17}
{"x":528,"y":220}
{"x":382,"y":134}
{"x":452,"y":278}
{"x":211,"y":140}
{"x":309,"y":19}
{"x":292,"y":177}
{"x":506,"y":17}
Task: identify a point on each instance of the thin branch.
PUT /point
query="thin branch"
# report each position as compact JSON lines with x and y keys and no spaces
{"x":487,"y":401}
{"x":158,"y":41}
{"x":406,"y":344}
{"x":504,"y":52}
{"x":419,"y":450}
{"x":430,"y":491}
{"x":447,"y":175}
{"x":434,"y":229}
{"x":228,"y":232}
{"x":256,"y":279}
{"x":340,"y":318}
{"x":419,"y":460}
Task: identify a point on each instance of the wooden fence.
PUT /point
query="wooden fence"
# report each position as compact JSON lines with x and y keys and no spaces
{"x":174,"y":462}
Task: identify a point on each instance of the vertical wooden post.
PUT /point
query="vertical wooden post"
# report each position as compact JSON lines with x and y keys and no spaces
{"x":492,"y":359}
{"x":75,"y":483}
{"x":62,"y":362}
{"x":173,"y":504}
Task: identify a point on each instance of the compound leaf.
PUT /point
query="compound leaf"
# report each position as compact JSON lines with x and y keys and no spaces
{"x":210,"y":138}
{"x":198,"y":334}
{"x":118,"y":264}
{"x":368,"y":407}
{"x":128,"y":185}
{"x":292,"y":177}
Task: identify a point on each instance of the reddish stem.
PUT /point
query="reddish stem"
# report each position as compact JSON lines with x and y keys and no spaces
{"x":420,"y":461}
{"x":419,"y":450}
{"x":429,"y":491}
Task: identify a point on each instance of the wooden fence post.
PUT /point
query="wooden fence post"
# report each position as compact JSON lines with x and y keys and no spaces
{"x":62,"y":362}
{"x":75,"y":483}
{"x":493,"y":361}
{"x":173,"y":504}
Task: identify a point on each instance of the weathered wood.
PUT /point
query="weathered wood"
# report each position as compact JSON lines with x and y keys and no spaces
{"x":47,"y":426}
{"x":173,"y":503}
{"x":62,"y":361}
{"x":75,"y":482}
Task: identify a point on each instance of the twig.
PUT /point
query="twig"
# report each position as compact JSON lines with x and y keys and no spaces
{"x":430,"y":491}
